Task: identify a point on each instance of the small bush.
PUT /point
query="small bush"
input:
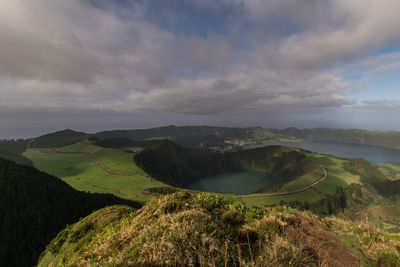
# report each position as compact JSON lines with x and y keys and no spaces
{"x":211,"y":201}
{"x":232,"y":217}
{"x":249,"y":212}
{"x":248,"y":235}
{"x":170,"y":206}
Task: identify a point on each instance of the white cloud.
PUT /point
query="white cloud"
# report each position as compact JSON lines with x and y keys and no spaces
{"x":356,"y":27}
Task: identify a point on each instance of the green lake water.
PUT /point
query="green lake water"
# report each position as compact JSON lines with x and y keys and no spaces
{"x":240,"y":183}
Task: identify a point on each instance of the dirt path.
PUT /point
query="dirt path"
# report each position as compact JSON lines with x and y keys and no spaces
{"x":272,"y":194}
{"x":111,"y":171}
{"x":101,"y":165}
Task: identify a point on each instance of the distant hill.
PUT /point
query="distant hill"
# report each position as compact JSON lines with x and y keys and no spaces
{"x":389,"y":139}
{"x":34,"y":207}
{"x":58,"y":139}
{"x":189,"y":136}
{"x":178,"y":131}
{"x":211,"y":136}
{"x":195,"y":136}
{"x":186,"y":229}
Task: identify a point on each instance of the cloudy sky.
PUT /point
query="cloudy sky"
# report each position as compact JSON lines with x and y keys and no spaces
{"x":106,"y":64}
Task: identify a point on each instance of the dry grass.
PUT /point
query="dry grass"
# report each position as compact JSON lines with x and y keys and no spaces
{"x":205,"y":230}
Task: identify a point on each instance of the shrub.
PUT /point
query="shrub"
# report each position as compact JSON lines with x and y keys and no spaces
{"x":232,"y":217}
{"x":211,"y":201}
{"x":170,"y":206}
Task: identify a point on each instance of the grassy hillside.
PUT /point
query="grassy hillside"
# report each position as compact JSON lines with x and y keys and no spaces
{"x":34,"y":207}
{"x":76,"y":164}
{"x":207,"y":230}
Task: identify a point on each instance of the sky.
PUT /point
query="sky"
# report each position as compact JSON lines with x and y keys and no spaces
{"x":93,"y":65}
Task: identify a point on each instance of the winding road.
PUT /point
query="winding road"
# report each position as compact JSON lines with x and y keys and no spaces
{"x":272,"y":194}
{"x":101,"y":165}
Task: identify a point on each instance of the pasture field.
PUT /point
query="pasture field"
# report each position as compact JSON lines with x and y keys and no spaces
{"x":75,"y":166}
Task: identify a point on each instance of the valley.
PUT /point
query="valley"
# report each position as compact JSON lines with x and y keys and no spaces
{"x":276,"y":174}
{"x":88,"y":167}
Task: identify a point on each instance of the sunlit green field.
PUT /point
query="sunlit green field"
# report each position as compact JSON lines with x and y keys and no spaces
{"x":81,"y":172}
{"x":75,"y":165}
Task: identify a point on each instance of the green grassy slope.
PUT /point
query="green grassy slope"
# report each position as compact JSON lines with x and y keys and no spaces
{"x":118,"y":160}
{"x":76,"y":167}
{"x":207,"y":230}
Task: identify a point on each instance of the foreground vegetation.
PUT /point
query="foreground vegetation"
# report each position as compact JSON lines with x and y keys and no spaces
{"x":34,"y":207}
{"x":206,"y":230}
